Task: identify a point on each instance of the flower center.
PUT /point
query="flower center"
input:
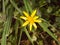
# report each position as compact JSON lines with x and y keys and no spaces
{"x":30,"y":19}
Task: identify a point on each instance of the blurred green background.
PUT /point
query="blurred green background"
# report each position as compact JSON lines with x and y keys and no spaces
{"x":47,"y":33}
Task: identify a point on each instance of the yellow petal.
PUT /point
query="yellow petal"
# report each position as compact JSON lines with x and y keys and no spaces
{"x":38,"y":21}
{"x":36,"y":17}
{"x":30,"y":26}
{"x":34,"y":25}
{"x":33,"y":13}
{"x":25,"y":23}
{"x":26,"y":14}
{"x":22,"y":17}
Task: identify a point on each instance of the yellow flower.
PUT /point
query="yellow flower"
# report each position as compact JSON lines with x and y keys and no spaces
{"x":30,"y":19}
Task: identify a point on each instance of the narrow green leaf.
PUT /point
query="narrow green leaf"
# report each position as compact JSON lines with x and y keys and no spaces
{"x":45,"y":25}
{"x":15,"y":6}
{"x":29,"y":6}
{"x":16,"y":31}
{"x":6,"y":29}
{"x":25,"y":3}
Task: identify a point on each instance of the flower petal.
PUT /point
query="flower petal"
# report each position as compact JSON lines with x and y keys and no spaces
{"x":38,"y":21}
{"x":30,"y":26}
{"x":25,"y":23}
{"x":26,"y":14}
{"x":33,"y":13}
{"x":36,"y":17}
{"x":22,"y":17}
{"x":35,"y":26}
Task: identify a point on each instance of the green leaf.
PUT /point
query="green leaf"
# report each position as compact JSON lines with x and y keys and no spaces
{"x":15,"y":6}
{"x":25,"y":3}
{"x":7,"y":25}
{"x":45,"y":25}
